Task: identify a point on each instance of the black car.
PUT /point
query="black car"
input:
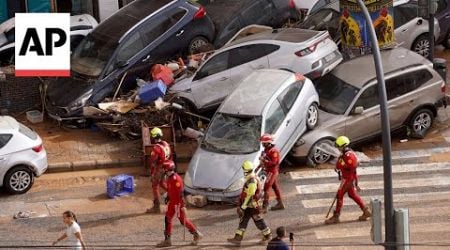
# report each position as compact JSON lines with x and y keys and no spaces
{"x":229,"y":16}
{"x":130,"y":41}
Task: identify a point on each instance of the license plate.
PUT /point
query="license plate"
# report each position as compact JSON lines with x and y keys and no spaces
{"x":330,"y":57}
{"x":214,"y":198}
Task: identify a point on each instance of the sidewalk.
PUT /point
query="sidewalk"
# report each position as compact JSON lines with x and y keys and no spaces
{"x":86,"y":149}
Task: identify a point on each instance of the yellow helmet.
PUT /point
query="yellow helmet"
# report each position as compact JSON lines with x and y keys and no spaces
{"x":156,"y":132}
{"x":247,"y":166}
{"x":342,"y":141}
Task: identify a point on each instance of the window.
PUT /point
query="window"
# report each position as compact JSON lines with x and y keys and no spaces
{"x":289,"y":95}
{"x":404,"y":13}
{"x":130,"y":47}
{"x":7,"y":57}
{"x":215,"y":65}
{"x":155,"y":27}
{"x":319,"y":5}
{"x":27,"y":132}
{"x":74,"y":41}
{"x":275,"y":117}
{"x":4,"y":138}
{"x":442,"y":5}
{"x":245,"y":54}
{"x":368,"y":98}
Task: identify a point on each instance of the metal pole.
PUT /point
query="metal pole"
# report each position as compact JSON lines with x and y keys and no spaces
{"x":431,"y":29}
{"x":386,"y":136}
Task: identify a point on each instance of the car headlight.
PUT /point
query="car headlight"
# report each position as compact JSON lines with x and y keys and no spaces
{"x":80,"y":101}
{"x":236,"y":185}
{"x":187,"y":179}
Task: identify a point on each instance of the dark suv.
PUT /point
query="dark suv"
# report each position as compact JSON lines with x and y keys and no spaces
{"x":443,"y":16}
{"x":229,"y":16}
{"x":131,"y":40}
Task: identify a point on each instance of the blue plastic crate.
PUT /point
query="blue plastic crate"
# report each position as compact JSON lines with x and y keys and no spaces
{"x":119,"y":185}
{"x":151,"y":91}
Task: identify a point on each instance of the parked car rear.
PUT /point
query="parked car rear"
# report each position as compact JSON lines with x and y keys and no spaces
{"x":131,"y":40}
{"x":229,"y":16}
{"x":22,"y":156}
{"x":349,"y":102}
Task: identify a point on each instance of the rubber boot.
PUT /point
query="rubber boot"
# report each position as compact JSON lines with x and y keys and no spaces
{"x":197,"y":237}
{"x":156,"y":209}
{"x":334,"y":219}
{"x":278,"y":206}
{"x":266,"y":238}
{"x":366,"y":214}
{"x":165,"y":243}
{"x":237,"y":239}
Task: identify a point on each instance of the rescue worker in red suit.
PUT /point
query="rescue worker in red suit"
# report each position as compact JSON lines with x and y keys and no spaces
{"x":270,"y":162}
{"x":160,"y":153}
{"x":249,"y":206}
{"x":347,"y":164}
{"x":175,"y":206}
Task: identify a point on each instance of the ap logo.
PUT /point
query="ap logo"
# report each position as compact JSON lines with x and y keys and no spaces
{"x":42,"y":44}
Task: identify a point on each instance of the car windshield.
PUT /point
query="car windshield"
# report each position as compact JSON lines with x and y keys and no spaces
{"x":91,"y":56}
{"x":27,"y":132}
{"x":319,"y":20}
{"x":233,"y":134}
{"x":335,"y":95}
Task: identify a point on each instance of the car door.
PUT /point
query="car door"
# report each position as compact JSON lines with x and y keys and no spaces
{"x":245,"y":59}
{"x":295,"y":124}
{"x":211,"y":84}
{"x":406,"y":24}
{"x":360,"y":126}
{"x":4,"y":156}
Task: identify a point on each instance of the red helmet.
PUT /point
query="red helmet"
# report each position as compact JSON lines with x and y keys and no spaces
{"x":168,"y":165}
{"x":266,"y":138}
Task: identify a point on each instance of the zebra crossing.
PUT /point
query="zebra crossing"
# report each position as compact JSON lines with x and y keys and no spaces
{"x":422,"y":188}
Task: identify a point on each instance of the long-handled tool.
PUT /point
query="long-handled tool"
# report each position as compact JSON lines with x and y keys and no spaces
{"x":332,"y":204}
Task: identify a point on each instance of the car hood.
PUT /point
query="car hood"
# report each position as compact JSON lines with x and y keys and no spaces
{"x":182,"y":85}
{"x":57,"y":90}
{"x":217,"y":171}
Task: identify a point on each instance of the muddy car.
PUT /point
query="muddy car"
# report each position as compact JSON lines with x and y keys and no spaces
{"x":130,"y":41}
{"x":271,"y":101}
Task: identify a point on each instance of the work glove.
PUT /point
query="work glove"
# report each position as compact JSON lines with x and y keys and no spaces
{"x":240,"y":211}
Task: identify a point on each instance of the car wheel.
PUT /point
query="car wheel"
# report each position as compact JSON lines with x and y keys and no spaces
{"x":312,"y":116}
{"x":420,"y":123}
{"x":18,"y":180}
{"x":196,"y":43}
{"x":422,"y":45}
{"x":317,"y":156}
{"x":446,"y":41}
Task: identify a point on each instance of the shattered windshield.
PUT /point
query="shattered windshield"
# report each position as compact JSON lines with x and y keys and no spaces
{"x":93,"y":53}
{"x":335,"y":95}
{"x":233,"y":134}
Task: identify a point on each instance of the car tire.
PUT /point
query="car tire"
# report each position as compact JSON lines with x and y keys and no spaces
{"x":18,"y":180}
{"x":420,"y":123}
{"x":446,"y":41}
{"x":312,"y":116}
{"x":317,"y":157}
{"x":422,"y":45}
{"x":196,"y":43}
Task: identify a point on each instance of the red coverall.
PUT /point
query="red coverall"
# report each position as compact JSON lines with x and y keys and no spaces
{"x":347,"y":164}
{"x":160,"y":153}
{"x":176,"y":205}
{"x":271,"y":163}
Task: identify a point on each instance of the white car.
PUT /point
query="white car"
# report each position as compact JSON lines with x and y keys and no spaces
{"x":311,"y":53}
{"x":268,"y":101}
{"x":80,"y":26}
{"x":22,"y":156}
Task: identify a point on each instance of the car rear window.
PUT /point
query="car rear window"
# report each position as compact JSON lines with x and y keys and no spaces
{"x":27,"y":132}
{"x":4,"y":139}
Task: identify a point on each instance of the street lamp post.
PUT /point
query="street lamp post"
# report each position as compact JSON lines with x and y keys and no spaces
{"x":386,"y":136}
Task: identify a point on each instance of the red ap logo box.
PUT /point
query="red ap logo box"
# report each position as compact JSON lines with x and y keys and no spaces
{"x":42,"y":44}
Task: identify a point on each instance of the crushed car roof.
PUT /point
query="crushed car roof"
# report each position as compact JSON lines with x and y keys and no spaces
{"x":252,"y":94}
{"x":392,"y":60}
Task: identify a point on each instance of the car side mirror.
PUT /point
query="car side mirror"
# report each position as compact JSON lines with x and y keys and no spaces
{"x":358,"y":110}
{"x":121,"y":64}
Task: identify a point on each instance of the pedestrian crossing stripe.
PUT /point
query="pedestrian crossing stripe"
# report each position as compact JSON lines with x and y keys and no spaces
{"x":415,"y":197}
{"x":434,"y":181}
{"x":407,"y":168}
